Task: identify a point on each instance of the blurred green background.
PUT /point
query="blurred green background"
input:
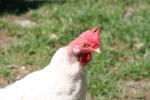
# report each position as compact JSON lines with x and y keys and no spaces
{"x":31,"y":31}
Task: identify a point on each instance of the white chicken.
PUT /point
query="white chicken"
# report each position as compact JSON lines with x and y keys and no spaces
{"x":63,"y":79}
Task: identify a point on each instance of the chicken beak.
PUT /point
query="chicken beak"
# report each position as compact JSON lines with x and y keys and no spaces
{"x":97,"y":50}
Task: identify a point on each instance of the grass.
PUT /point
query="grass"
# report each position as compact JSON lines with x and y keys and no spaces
{"x":125,"y":41}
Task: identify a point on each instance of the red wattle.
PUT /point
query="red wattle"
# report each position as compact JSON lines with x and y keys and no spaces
{"x":84,"y":58}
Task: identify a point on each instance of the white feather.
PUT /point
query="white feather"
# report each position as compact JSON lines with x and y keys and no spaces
{"x":63,"y":79}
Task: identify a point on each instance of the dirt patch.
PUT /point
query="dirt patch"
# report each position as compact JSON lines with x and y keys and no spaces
{"x":89,"y":96}
{"x":4,"y":39}
{"x":135,"y":90}
{"x":16,"y":74}
{"x":24,"y":22}
{"x":4,"y":82}
{"x":129,"y":12}
{"x":20,"y":72}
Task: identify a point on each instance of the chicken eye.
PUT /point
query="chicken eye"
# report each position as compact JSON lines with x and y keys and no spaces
{"x":85,"y":45}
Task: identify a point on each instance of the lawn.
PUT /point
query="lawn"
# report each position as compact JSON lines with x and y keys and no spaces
{"x":29,"y":38}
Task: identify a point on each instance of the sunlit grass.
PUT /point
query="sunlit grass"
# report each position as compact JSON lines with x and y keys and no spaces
{"x":125,"y":42}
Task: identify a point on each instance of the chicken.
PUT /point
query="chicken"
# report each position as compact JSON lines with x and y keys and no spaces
{"x":63,"y":79}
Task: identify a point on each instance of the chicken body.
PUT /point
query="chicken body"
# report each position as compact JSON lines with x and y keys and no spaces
{"x":63,"y":79}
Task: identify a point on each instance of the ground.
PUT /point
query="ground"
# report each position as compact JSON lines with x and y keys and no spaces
{"x":29,"y":38}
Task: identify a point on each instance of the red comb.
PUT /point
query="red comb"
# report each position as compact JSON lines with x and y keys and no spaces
{"x":91,"y":35}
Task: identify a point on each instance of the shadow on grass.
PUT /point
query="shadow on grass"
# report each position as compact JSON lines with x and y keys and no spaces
{"x":22,"y":6}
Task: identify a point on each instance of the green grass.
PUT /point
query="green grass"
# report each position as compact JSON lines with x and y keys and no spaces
{"x":121,"y":59}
